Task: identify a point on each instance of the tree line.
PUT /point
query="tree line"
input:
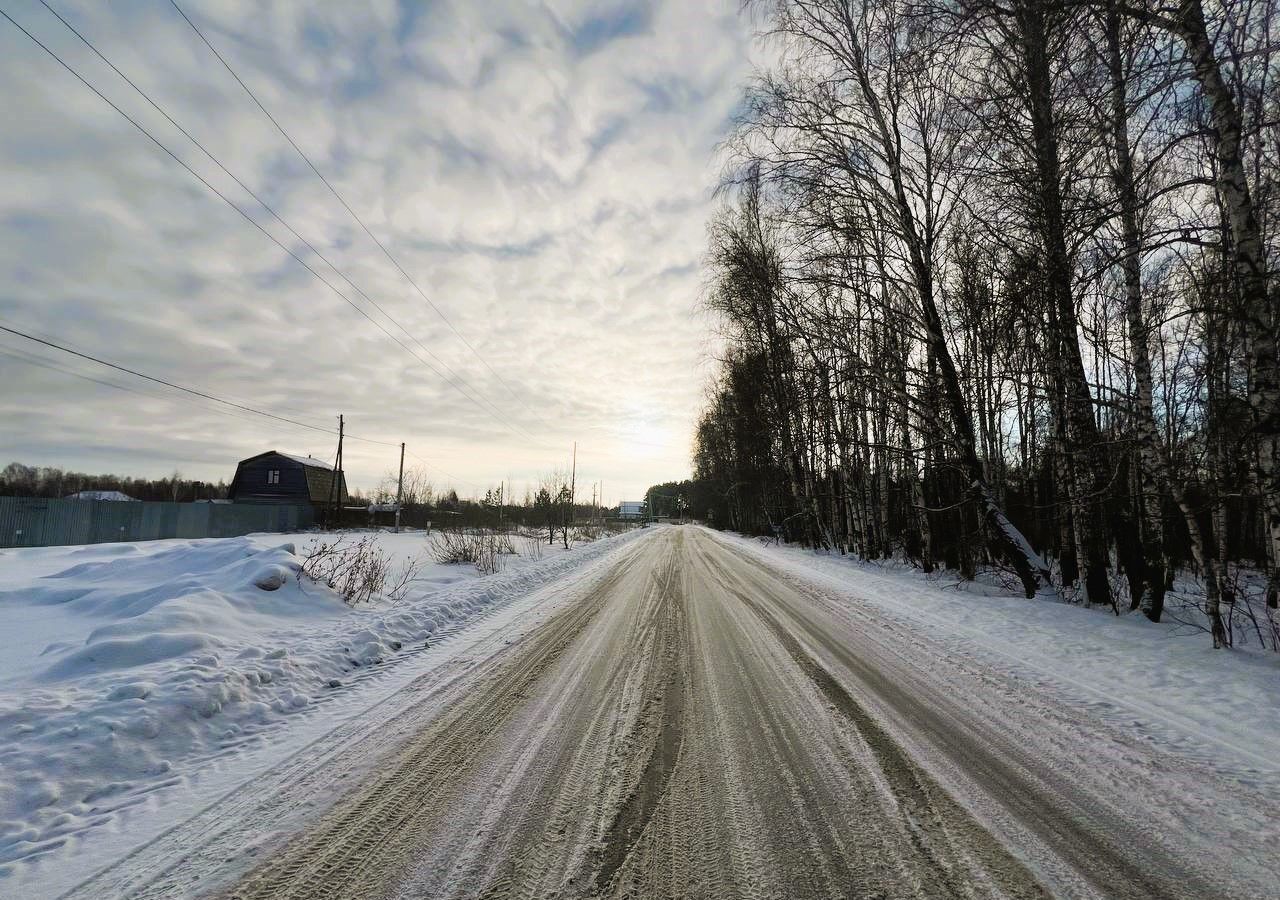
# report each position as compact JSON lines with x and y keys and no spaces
{"x":551,"y":503}
{"x":19,"y":480}
{"x":994,"y":283}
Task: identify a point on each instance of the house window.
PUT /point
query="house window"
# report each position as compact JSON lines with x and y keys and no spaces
{"x":273,"y":476}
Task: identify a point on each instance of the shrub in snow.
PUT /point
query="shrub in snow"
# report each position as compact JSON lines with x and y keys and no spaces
{"x":356,"y":572}
{"x":585,"y":534}
{"x":532,"y":544}
{"x":483,"y":548}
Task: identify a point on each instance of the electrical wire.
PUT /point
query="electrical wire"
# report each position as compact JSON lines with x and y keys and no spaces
{"x":346,"y":206}
{"x":27,"y":358}
{"x":36,"y":361}
{"x":239,"y":182}
{"x":178,"y":387}
{"x":432,"y":465}
{"x":249,"y":218}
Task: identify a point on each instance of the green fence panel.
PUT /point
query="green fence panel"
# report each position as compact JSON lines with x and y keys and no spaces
{"x":41,"y":522}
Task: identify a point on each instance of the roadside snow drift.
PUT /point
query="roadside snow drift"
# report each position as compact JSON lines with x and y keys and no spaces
{"x":126,"y":668}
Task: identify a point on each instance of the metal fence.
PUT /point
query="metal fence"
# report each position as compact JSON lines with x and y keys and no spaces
{"x":37,"y":522}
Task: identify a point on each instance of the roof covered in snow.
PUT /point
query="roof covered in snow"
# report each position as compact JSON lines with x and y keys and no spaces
{"x":101,"y":495}
{"x":305,"y":460}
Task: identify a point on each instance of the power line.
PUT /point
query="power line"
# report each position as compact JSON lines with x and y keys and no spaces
{"x":247,"y":217}
{"x":19,"y":356}
{"x":178,"y":387}
{"x":39,"y":362}
{"x":145,"y":96}
{"x":29,"y":359}
{"x":442,"y":471}
{"x":340,"y":199}
{"x":33,"y":360}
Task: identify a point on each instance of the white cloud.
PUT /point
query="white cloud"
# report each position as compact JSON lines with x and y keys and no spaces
{"x":542,"y":170}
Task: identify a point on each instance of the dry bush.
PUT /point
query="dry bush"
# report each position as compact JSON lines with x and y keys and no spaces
{"x":585,"y":534}
{"x":488,"y":559}
{"x":502,"y":543}
{"x":400,"y":587}
{"x":532,"y":544}
{"x":358,"y":572}
{"x":483,"y":548}
{"x":455,"y":546}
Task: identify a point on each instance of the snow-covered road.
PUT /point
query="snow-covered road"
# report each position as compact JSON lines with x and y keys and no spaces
{"x":688,"y":718}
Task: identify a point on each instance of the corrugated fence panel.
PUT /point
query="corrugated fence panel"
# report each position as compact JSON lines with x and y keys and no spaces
{"x":38,"y":522}
{"x":114,"y":521}
{"x":192,"y":519}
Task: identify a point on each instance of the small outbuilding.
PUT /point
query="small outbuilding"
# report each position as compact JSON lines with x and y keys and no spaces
{"x":275,"y":477}
{"x":632,"y":509}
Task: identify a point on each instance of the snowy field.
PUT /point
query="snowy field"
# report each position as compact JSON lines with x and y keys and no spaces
{"x":139,"y":681}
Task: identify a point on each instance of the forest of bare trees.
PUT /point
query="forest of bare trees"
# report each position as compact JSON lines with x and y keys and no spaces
{"x":993,"y":281}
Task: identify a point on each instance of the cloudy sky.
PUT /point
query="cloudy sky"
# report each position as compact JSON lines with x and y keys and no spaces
{"x":542,"y":171}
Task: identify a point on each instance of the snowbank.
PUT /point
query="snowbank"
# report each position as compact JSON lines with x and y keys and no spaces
{"x":127,"y":668}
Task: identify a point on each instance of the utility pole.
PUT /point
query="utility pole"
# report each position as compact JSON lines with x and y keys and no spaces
{"x":335,"y":490}
{"x":399,"y":487}
{"x":573,"y":481}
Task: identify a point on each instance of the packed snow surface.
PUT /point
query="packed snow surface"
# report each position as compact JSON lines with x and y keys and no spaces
{"x":132,"y":672}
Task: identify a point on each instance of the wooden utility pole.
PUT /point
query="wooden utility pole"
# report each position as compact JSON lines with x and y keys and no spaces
{"x":573,"y":481}
{"x":335,"y":490}
{"x":399,"y":487}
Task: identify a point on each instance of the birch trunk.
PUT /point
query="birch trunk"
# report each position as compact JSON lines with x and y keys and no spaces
{"x":1153,"y":472}
{"x":1089,"y":482}
{"x":1257,"y":305}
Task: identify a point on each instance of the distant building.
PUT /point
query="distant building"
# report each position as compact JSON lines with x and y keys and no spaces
{"x":101,"y":495}
{"x":275,"y":477}
{"x":631,"y":509}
